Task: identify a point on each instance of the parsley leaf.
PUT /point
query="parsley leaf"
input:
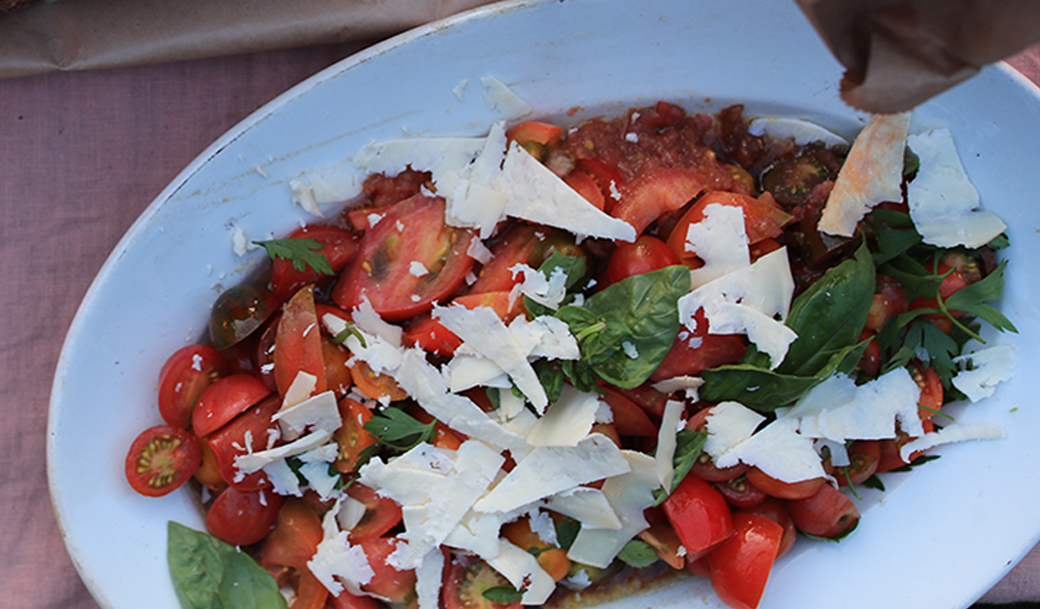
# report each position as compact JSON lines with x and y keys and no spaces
{"x":395,"y":428}
{"x":301,"y":252}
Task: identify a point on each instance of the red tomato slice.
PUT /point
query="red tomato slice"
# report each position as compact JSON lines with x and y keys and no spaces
{"x":339,"y":246}
{"x":645,"y":254}
{"x":381,"y":514}
{"x":430,"y":335}
{"x":465,"y":583}
{"x":645,"y":396}
{"x":397,"y":587}
{"x":784,"y":490}
{"x":763,"y":218}
{"x":297,"y":344}
{"x":864,"y":456}
{"x":161,"y":459}
{"x":776,"y":510}
{"x":374,"y":385}
{"x":337,"y":373}
{"x":230,"y":441}
{"x":515,"y":245}
{"x":224,"y":400}
{"x":352,"y":437}
{"x":739,"y":492}
{"x":292,"y":543}
{"x":243,"y":518}
{"x":408,"y":261}
{"x":183,"y":378}
{"x":586,"y":186}
{"x":606,"y":176}
{"x":927,"y":379}
{"x":827,"y":513}
{"x":740,"y":566}
{"x":538,"y":132}
{"x":656,"y":193}
{"x":695,"y":352}
{"x":700,"y":516}
{"x":629,"y":419}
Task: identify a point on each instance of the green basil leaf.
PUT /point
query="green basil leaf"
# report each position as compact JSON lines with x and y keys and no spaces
{"x":573,"y":267}
{"x":638,"y":554}
{"x":395,"y":428}
{"x":829,"y":316}
{"x":208,"y":573}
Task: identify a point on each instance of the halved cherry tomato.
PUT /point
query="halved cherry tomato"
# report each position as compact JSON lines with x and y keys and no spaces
{"x":784,"y":490}
{"x":408,"y":261}
{"x":703,"y":467}
{"x":890,"y":456}
{"x":700,"y":516}
{"x":740,"y":566}
{"x":645,"y":396}
{"x":208,"y":473}
{"x":863,"y":462}
{"x":656,"y":193}
{"x":339,"y":246}
{"x":337,"y":372}
{"x":763,"y":218}
{"x":230,"y":441}
{"x":739,"y":492}
{"x":606,"y":176}
{"x":292,"y":543}
{"x":927,"y":379}
{"x":552,"y":559}
{"x":642,"y":256}
{"x":161,"y":459}
{"x":381,"y":514}
{"x":536,"y":137}
{"x":663,"y":538}
{"x":501,"y":302}
{"x":586,"y":186}
{"x":224,"y":400}
{"x":243,"y":518}
{"x":629,"y":419}
{"x":297,"y":344}
{"x":953,"y":281}
{"x":465,"y":583}
{"x":397,"y":587}
{"x":695,"y":351}
{"x":827,"y":513}
{"x":376,"y":385}
{"x":889,"y":301}
{"x":776,"y":510}
{"x":238,"y":312}
{"x":352,"y":437}
{"x":183,"y":378}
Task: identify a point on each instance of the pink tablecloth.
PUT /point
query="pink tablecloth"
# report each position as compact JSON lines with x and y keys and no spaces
{"x":81,"y":155}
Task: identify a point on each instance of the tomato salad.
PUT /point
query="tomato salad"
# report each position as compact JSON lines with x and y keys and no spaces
{"x":420,"y":409}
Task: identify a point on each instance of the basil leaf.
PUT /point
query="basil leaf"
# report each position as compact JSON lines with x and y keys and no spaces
{"x":208,"y":573}
{"x":829,"y":316}
{"x":572,"y":266}
{"x":566,"y":532}
{"x":638,"y":554}
{"x":625,"y":331}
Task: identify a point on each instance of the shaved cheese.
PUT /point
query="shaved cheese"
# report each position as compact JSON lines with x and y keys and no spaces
{"x":499,"y":96}
{"x":872,"y":173}
{"x":251,"y":462}
{"x":522,"y":570}
{"x":567,"y":421}
{"x":337,"y":561}
{"x":982,"y":370}
{"x":366,"y":319}
{"x":720,"y":240}
{"x":319,"y":411}
{"x":955,"y":432}
{"x":664,"y":456}
{"x":779,"y":451}
{"x":428,"y":578}
{"x":729,"y":424}
{"x":797,"y":130}
{"x":587,"y":505}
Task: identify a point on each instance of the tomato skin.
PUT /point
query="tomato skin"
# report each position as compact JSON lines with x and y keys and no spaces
{"x":161,"y":459}
{"x":397,"y":587}
{"x":763,"y":219}
{"x":412,"y":230}
{"x":465,"y":583}
{"x":607,"y":178}
{"x":337,"y":373}
{"x":700,"y":516}
{"x":183,"y":378}
{"x":292,"y":543}
{"x":864,"y":456}
{"x":776,"y":510}
{"x":346,"y":600}
{"x":352,"y":437}
{"x":828,"y":513}
{"x":339,"y":246}
{"x":652,"y":195}
{"x":225,"y":399}
{"x":703,"y":467}
{"x":297,"y":343}
{"x":229,"y":442}
{"x":629,"y":418}
{"x":928,"y":381}
{"x":889,"y":301}
{"x":238,"y":312}
{"x":950,"y":284}
{"x":642,"y":256}
{"x":784,"y":490}
{"x":586,"y":186}
{"x":739,"y":492}
{"x":740,"y":566}
{"x":243,"y":518}
{"x":695,"y":352}
{"x":381,"y":514}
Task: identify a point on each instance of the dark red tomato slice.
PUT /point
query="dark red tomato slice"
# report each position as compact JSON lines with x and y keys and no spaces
{"x":863,"y":462}
{"x":776,"y":510}
{"x":381,"y":514}
{"x":739,"y":492}
{"x":645,"y":254}
{"x":339,"y":246}
{"x":397,"y":587}
{"x":408,"y":261}
{"x":230,"y":441}
{"x":513,"y":246}
{"x":183,"y":378}
{"x":297,"y":343}
{"x":161,"y":459}
{"x":465,"y":583}
{"x":740,"y":566}
{"x":656,"y":193}
{"x":352,"y":437}
{"x":243,"y":518}
{"x":763,"y":218}
{"x":700,"y":516}
{"x":606,"y":176}
{"x":784,"y":490}
{"x":629,"y":419}
{"x":693,"y":353}
{"x":585,"y":185}
{"x":224,"y":400}
{"x":827,"y":513}
{"x":238,"y":312}
{"x":292,"y":543}
{"x":645,"y":396}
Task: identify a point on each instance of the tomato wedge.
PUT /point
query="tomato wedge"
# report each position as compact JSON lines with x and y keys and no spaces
{"x":397,"y":587}
{"x":763,"y":218}
{"x":224,"y":400}
{"x":161,"y":459}
{"x":381,"y":514}
{"x":828,"y":513}
{"x":740,"y":566}
{"x":700,"y":516}
{"x":784,"y":490}
{"x":652,"y":195}
{"x":183,"y":378}
{"x":297,"y":344}
{"x":230,"y":441}
{"x":352,"y":437}
{"x":292,"y":543}
{"x":243,"y":518}
{"x":339,"y":246}
{"x":407,"y":261}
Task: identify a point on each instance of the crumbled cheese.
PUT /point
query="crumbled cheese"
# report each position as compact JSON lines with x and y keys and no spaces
{"x":546,"y":291}
{"x":303,"y":196}
{"x":366,"y":319}
{"x":687,"y":384}
{"x":417,"y":269}
{"x":982,"y":370}
{"x":336,"y":563}
{"x":428,"y":578}
{"x":500,"y":97}
{"x":240,"y":244}
{"x":318,"y":412}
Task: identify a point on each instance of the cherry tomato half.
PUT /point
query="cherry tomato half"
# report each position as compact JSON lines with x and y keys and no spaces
{"x":466,"y":582}
{"x":642,"y":256}
{"x":784,"y":490}
{"x":700,"y":516}
{"x":397,"y":587}
{"x":292,"y":543}
{"x":297,"y":343}
{"x":656,"y":193}
{"x":161,"y":459}
{"x":740,"y":566}
{"x":183,"y":378}
{"x":224,"y":400}
{"x":243,"y":518}
{"x":338,"y":247}
{"x":828,"y":513}
{"x":252,"y":428}
{"x":238,"y":312}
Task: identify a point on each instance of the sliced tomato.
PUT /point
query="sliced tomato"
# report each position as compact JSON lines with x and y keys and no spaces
{"x":397,"y":587}
{"x":740,"y":567}
{"x":292,"y":543}
{"x":645,"y":254}
{"x":465,"y":582}
{"x":656,"y":193}
{"x":700,"y":516}
{"x":663,"y":538}
{"x":161,"y":459}
{"x":645,"y":396}
{"x":430,"y":335}
{"x":338,"y":246}
{"x":297,"y":344}
{"x":224,"y":400}
{"x":501,"y":302}
{"x":739,"y":492}
{"x":889,"y":301}
{"x":381,"y":514}
{"x":763,"y":218}
{"x":536,"y":137}
{"x":931,"y":398}
{"x":208,"y":473}
{"x":346,"y":600}
{"x":827,"y":513}
{"x":251,"y":429}
{"x":551,"y":558}
{"x":703,"y":467}
{"x":606,"y":176}
{"x":243,"y":518}
{"x":697,"y":351}
{"x":953,"y":281}
{"x":183,"y":378}
{"x":337,"y":373}
{"x":352,"y":437}
{"x":238,"y":312}
{"x":784,"y":490}
{"x":408,"y":261}
{"x":586,"y":186}
{"x":776,"y":510}
{"x":864,"y":456}
{"x":375,"y":385}
{"x":629,"y":419}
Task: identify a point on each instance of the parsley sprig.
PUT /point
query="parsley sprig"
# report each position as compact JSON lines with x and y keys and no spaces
{"x":301,"y":252}
{"x":396,"y":429}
